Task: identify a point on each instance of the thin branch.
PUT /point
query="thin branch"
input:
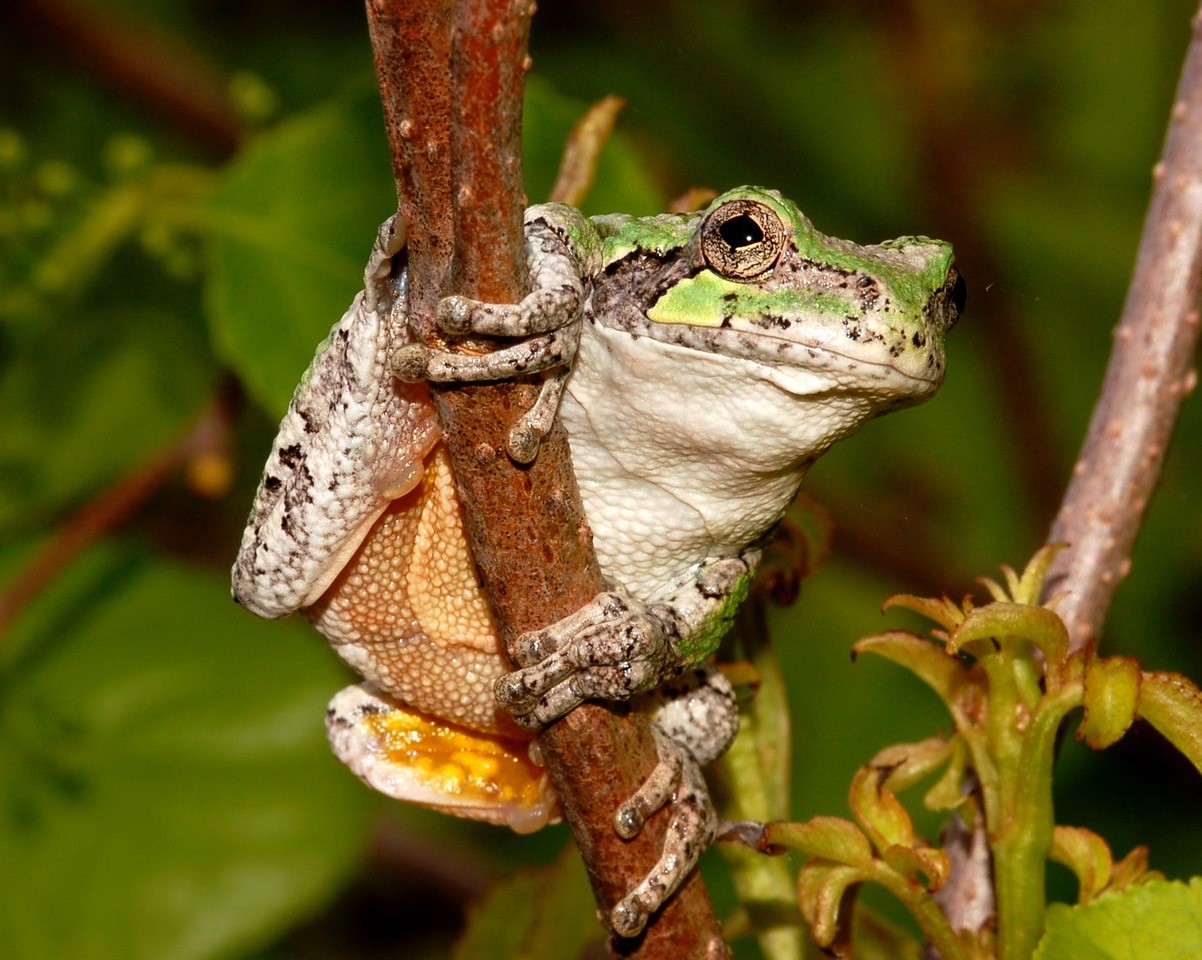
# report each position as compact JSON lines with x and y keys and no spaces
{"x":113,"y":506}
{"x":1151,"y":371}
{"x":141,"y":64}
{"x":451,"y":81}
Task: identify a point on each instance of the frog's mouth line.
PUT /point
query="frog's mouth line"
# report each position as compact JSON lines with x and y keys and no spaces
{"x":809,"y":358}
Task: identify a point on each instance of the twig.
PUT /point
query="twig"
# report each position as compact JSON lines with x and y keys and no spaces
{"x":1151,"y":371}
{"x":141,"y":64}
{"x":450,"y":78}
{"x":583,"y":150}
{"x":112,"y":507}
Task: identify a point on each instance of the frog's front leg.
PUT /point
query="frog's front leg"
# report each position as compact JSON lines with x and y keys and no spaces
{"x":559,"y":248}
{"x":616,"y":647}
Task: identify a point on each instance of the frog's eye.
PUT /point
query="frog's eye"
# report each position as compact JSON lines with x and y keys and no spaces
{"x":742,"y":239}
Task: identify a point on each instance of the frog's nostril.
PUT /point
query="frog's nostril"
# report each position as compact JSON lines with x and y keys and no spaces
{"x":959,"y":293}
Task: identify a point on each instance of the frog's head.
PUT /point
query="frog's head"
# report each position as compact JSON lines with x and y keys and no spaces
{"x":828,"y":314}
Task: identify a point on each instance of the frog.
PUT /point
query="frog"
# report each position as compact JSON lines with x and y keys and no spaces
{"x":700,"y":363}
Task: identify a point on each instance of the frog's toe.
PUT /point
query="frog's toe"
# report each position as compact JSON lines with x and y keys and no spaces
{"x":535,"y":646}
{"x":609,"y":662}
{"x":410,"y":362}
{"x":523,"y":442}
{"x":690,"y":831}
{"x":454,"y":314}
{"x":655,"y":792}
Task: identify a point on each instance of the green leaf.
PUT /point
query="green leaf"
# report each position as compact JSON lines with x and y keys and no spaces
{"x":924,"y":865}
{"x":84,"y":402}
{"x":878,"y":811}
{"x":934,"y":666}
{"x":824,"y":891}
{"x":165,"y":787}
{"x":831,"y":838}
{"x":1038,"y":625}
{"x":533,"y":915}
{"x":909,"y":763}
{"x":940,"y":609}
{"x":1111,"y":696}
{"x":1087,"y":855}
{"x":1173,"y":705}
{"x":1161,"y":920}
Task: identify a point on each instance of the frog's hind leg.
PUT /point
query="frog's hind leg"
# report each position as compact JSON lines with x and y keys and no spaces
{"x":418,"y":758}
{"x":694,"y":720}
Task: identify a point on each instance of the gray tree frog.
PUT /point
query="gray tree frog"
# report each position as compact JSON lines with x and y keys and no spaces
{"x":700,"y":363}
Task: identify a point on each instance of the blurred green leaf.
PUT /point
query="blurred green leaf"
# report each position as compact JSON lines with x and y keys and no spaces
{"x":165,"y":788}
{"x":533,"y":915}
{"x":1161,"y":920}
{"x":85,"y":401}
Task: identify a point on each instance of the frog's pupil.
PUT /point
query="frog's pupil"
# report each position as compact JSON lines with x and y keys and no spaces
{"x":740,"y":231}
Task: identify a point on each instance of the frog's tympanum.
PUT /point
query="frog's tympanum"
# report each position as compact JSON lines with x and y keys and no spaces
{"x":700,"y":363}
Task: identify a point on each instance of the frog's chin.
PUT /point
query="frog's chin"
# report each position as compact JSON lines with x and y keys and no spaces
{"x":831,"y":372}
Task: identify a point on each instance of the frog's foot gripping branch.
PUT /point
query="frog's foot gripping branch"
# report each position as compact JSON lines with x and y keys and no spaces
{"x":616,"y":647}
{"x":694,"y":719}
{"x":549,"y":317}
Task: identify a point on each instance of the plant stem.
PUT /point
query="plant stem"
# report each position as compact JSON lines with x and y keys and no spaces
{"x":1021,"y":818}
{"x":755,"y":771}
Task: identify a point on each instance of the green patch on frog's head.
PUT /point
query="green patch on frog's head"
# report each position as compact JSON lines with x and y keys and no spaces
{"x":765,"y":285}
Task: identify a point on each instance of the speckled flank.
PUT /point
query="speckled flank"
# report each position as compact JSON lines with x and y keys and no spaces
{"x":352,"y":439}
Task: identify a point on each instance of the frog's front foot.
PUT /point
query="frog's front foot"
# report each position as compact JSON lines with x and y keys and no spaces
{"x":612,"y":648}
{"x":548,"y":321}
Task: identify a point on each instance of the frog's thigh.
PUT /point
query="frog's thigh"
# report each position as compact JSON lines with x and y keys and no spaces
{"x":408,"y":614}
{"x":417,"y":758}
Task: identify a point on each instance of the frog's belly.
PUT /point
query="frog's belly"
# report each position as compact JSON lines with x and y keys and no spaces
{"x":408,"y":614}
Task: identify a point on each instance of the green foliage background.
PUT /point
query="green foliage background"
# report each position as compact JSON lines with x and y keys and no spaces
{"x":165,"y":790}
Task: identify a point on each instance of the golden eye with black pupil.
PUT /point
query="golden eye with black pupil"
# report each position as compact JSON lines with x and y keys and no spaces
{"x":742,"y":239}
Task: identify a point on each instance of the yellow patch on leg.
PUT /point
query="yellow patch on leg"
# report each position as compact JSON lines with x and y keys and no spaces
{"x":418,"y":758}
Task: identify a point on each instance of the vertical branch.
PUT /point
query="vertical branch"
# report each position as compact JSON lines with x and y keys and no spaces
{"x":1151,"y":371}
{"x":451,"y":78}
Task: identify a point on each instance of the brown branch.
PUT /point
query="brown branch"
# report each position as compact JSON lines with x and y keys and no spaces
{"x":1151,"y":371}
{"x":146,"y":66}
{"x":113,"y":506}
{"x":451,"y":81}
